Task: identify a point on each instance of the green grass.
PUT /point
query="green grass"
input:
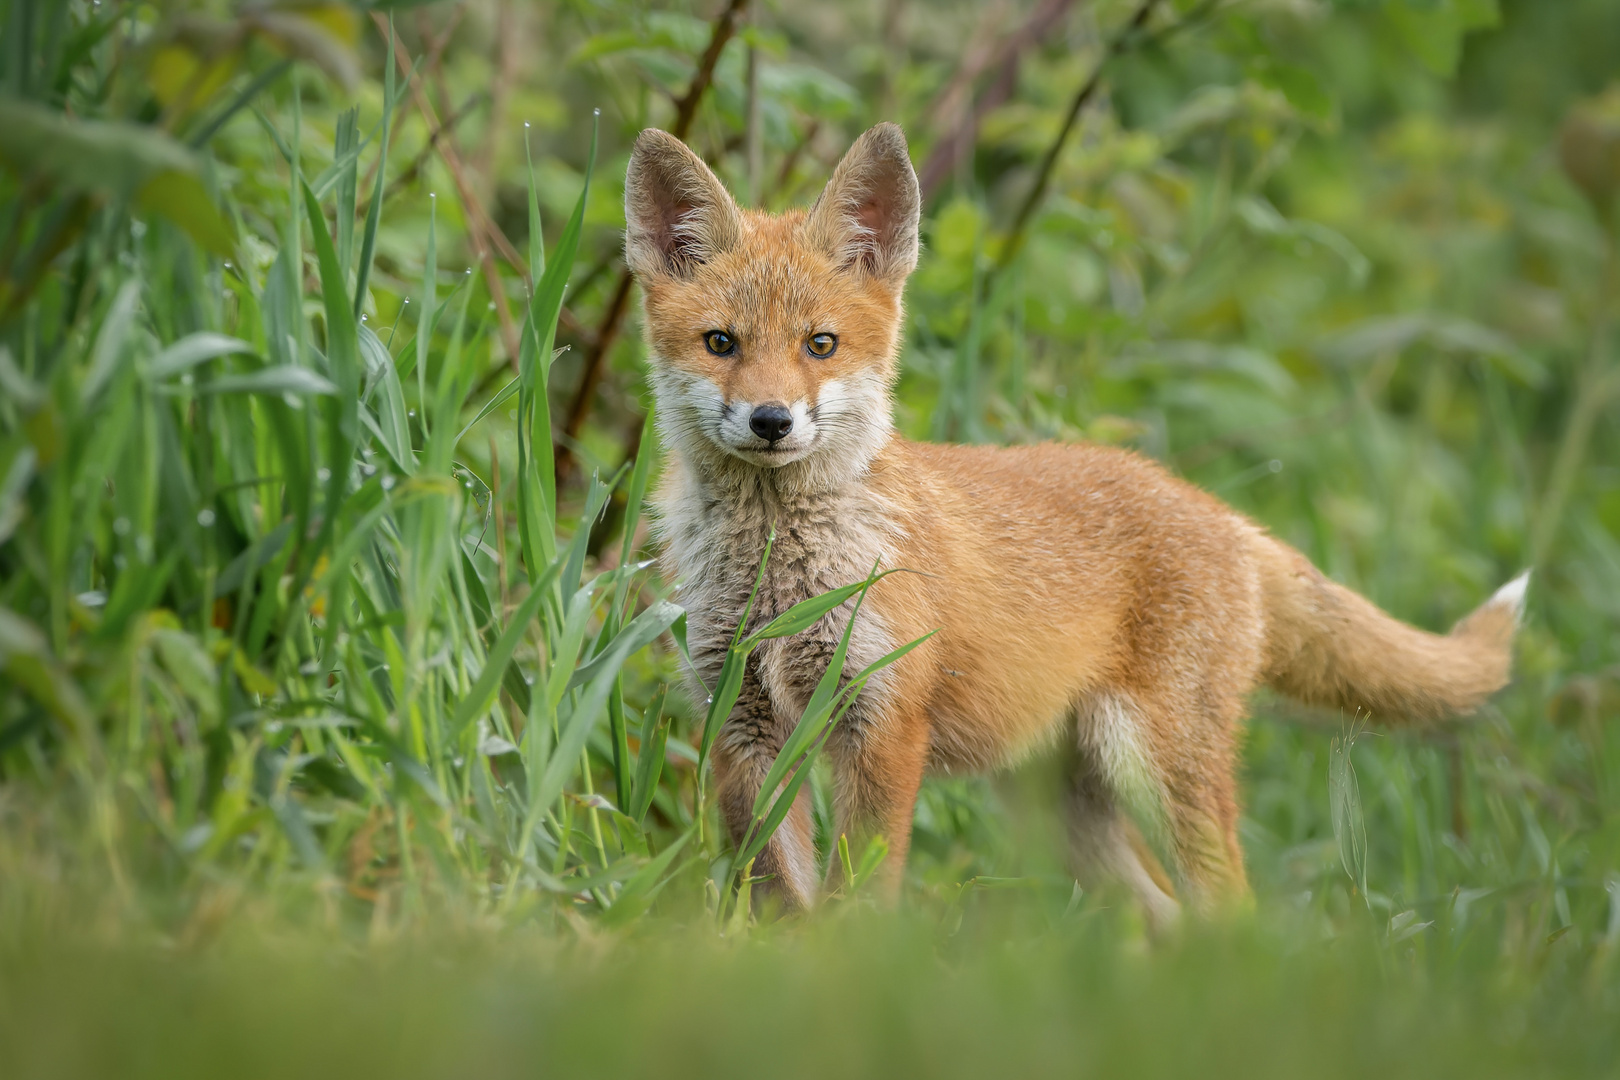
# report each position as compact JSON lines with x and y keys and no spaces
{"x":337,"y":735}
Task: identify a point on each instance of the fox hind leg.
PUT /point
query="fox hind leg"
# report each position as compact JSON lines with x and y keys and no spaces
{"x":1105,"y":845}
{"x":1197,"y":770}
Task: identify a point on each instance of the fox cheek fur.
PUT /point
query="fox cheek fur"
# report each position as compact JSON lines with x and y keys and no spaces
{"x":1081,"y":594}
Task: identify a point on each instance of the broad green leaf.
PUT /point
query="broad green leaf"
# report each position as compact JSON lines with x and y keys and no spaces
{"x":194,"y":349}
{"x":281,"y":379}
{"x":181,"y":197}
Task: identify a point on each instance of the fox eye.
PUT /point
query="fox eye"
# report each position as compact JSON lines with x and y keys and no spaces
{"x":720,"y":343}
{"x":822,"y":346}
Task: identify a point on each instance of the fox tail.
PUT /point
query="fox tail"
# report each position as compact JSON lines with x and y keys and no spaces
{"x":1329,"y":647}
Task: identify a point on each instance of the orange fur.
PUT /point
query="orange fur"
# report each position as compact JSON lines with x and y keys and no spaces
{"x":1079,"y":591}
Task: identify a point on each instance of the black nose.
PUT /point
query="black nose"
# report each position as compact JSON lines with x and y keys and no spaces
{"x":770,"y":422}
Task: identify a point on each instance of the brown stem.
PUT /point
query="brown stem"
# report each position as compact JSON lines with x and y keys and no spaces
{"x":595,"y":356}
{"x":953,"y":147}
{"x":500,"y":91}
{"x":409,"y":174}
{"x":784,"y":175}
{"x":724,"y":28}
{"x":479,"y":227}
{"x":1127,"y":39}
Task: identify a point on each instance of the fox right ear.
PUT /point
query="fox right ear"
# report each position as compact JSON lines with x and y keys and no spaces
{"x":677,"y":214}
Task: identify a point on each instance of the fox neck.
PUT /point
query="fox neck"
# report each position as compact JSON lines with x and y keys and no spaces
{"x":716,"y":512}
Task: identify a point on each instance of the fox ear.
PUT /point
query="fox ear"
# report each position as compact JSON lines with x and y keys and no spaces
{"x":867,"y":216}
{"x":677,"y":214}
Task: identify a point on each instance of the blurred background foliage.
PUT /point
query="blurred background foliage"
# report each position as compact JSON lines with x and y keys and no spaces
{"x":1349,"y":264}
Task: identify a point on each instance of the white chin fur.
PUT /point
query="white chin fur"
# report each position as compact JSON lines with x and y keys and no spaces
{"x":836,"y":438}
{"x":737,"y":437}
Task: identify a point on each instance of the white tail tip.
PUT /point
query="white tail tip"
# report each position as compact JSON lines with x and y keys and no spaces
{"x":1511,"y":595}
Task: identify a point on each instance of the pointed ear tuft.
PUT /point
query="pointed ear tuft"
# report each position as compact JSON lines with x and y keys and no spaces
{"x":867,"y":216}
{"x":677,"y":214}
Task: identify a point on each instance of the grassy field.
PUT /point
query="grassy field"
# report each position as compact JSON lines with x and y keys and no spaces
{"x":343,"y":724}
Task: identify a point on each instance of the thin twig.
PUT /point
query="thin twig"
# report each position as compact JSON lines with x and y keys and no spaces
{"x":1126,"y":40}
{"x":784,"y":175}
{"x":479,"y":227}
{"x":724,"y":28}
{"x":409,"y":174}
{"x":949,"y":151}
{"x":500,"y":91}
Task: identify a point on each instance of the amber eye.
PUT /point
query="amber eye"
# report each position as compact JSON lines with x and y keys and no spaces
{"x":822,"y":346}
{"x":720,"y":343}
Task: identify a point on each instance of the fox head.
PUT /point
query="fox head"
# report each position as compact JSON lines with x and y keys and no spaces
{"x":773,"y":337}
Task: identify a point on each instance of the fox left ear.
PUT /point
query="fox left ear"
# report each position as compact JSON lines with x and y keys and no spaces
{"x":677,"y":213}
{"x":867,"y":215}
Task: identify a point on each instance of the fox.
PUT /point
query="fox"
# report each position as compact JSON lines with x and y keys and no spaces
{"x":1078,"y":594}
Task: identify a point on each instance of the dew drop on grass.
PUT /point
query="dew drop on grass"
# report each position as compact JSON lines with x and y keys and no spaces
{"x":387,"y":483}
{"x":323,"y":474}
{"x":205,"y":518}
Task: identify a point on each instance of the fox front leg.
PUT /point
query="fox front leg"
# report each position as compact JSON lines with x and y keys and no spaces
{"x":743,"y":754}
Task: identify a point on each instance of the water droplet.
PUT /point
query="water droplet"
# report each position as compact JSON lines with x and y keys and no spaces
{"x":205,"y":518}
{"x":596,"y":112}
{"x":226,"y":264}
{"x":525,"y":123}
{"x":387,"y":483}
{"x":410,"y":412}
{"x":1274,"y":465}
{"x":121,"y":526}
{"x":323,"y":474}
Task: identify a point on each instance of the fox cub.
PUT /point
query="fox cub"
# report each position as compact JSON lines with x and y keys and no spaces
{"x":1079,"y":591}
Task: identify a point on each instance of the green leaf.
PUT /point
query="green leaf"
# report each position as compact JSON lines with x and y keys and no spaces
{"x":194,"y":349}
{"x":650,"y":758}
{"x":281,"y":379}
{"x":182,"y":199}
{"x":640,"y":891}
{"x":110,"y":341}
{"x":806,"y":613}
{"x":101,"y":156}
{"x":1434,"y":31}
{"x":642,"y":631}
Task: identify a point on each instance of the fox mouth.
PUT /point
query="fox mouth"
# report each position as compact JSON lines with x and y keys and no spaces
{"x":774,"y":454}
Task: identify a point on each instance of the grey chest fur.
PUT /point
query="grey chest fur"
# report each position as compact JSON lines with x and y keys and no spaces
{"x":714,"y":538}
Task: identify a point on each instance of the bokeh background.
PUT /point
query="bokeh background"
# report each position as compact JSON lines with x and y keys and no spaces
{"x":302,"y":633}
